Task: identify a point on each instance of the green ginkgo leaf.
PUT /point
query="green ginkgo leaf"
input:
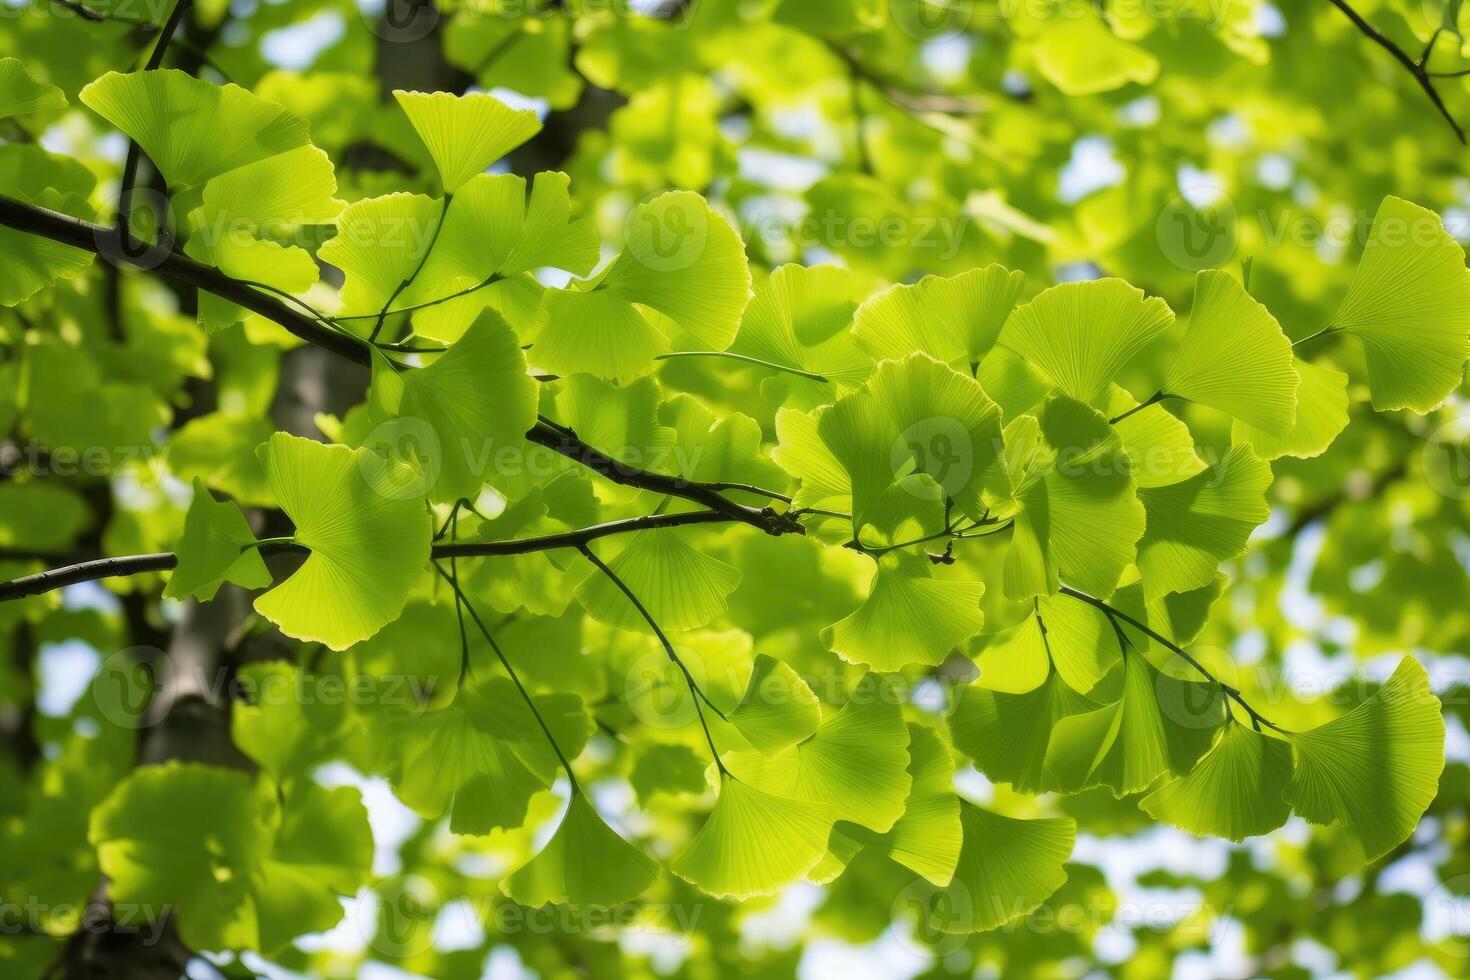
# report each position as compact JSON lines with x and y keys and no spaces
{"x":1321,"y":414}
{"x":29,"y":173}
{"x":778,"y":709}
{"x":798,"y":320}
{"x":1083,"y":333}
{"x":322,"y":852}
{"x":1015,"y":660}
{"x":493,"y":231}
{"x":483,"y":756}
{"x":622,"y":421}
{"x":1080,"y":641}
{"x":1374,"y":771}
{"x":950,"y":428}
{"x":20,"y":93}
{"x":682,"y":273}
{"x":585,"y":863}
{"x":1160,"y":725}
{"x":908,"y":618}
{"x":856,"y":763}
{"x":1409,"y":304}
{"x":804,"y":454}
{"x":861,"y":437}
{"x":754,"y":843}
{"x":1195,"y":525}
{"x":1007,"y":867}
{"x":1234,"y":791}
{"x":217,"y":547}
{"x":955,"y":320}
{"x":380,"y":243}
{"x":682,"y":588}
{"x":1007,"y":734}
{"x":1078,"y":54}
{"x":191,"y":129}
{"x":928,"y":837}
{"x":1234,"y":357}
{"x":363,"y":518}
{"x":477,"y":401}
{"x":670,"y":769}
{"x":254,"y":876}
{"x":1080,"y":512}
{"x":465,"y":133}
{"x":1159,"y":445}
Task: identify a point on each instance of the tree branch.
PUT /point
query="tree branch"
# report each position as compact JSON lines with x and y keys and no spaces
{"x":1414,"y":68}
{"x":90,"y":237}
{"x":126,"y":565}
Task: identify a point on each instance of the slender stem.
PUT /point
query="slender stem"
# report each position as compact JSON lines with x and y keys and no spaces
{"x":268,"y":545}
{"x":1324,"y":332}
{"x":135,"y":153}
{"x":811,"y":375}
{"x":460,"y":597}
{"x":464,"y":637}
{"x":1154,"y":399}
{"x":383,"y":313}
{"x":695,"y":693}
{"x":1114,"y":613}
{"x":492,"y":280}
{"x":747,"y":488}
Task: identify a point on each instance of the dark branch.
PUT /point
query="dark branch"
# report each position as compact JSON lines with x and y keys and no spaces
{"x":102,"y":568}
{"x":91,"y":237}
{"x":1414,"y":68}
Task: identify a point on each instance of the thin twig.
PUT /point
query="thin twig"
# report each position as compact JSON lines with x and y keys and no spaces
{"x":1414,"y":68}
{"x":695,"y":692}
{"x":1113,"y":613}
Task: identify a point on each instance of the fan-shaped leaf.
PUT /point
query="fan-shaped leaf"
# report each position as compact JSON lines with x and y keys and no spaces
{"x":1374,"y":770}
{"x":1321,"y":413}
{"x":1195,"y":525}
{"x":465,"y":133}
{"x":1409,"y":304}
{"x":754,"y":843}
{"x":1234,"y":357}
{"x":954,"y":320}
{"x":778,"y":709}
{"x":683,"y":589}
{"x":584,"y":863}
{"x":217,"y":547}
{"x":1082,"y":333}
{"x":857,"y":762}
{"x":907,"y":618}
{"x":191,"y":129}
{"x":477,"y":401}
{"x":683,"y":271}
{"x":1234,"y":791}
{"x":363,"y":518}
{"x":1007,"y":868}
{"x":20,"y":93}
